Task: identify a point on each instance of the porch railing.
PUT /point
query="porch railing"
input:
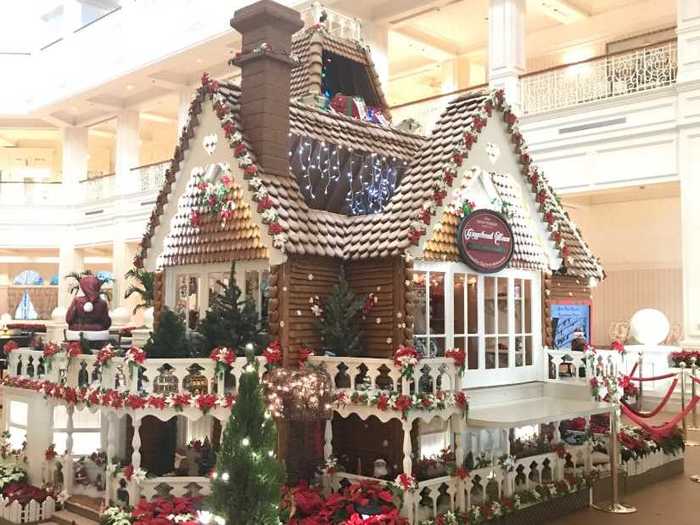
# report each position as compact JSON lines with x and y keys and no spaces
{"x":605,"y":77}
{"x":142,"y":179}
{"x":337,"y":24}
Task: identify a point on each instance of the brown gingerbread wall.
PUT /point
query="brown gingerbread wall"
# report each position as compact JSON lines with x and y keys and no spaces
{"x":158,"y":296}
{"x":383,"y":328}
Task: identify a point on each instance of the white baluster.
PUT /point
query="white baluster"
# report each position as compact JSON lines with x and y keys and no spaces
{"x":134,"y":488}
{"x":407,"y":448}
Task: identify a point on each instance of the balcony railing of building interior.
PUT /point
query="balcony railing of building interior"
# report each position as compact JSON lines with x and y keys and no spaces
{"x":614,"y":75}
{"x":426,"y":111}
{"x":20,"y":192}
{"x":337,"y":24}
{"x":141,"y":179}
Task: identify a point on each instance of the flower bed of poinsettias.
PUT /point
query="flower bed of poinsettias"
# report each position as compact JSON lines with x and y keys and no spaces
{"x":11,"y":473}
{"x":391,"y":400}
{"x":305,"y":505}
{"x":23,"y":493}
{"x":158,"y":511}
{"x":89,"y":397}
{"x":492,"y":510}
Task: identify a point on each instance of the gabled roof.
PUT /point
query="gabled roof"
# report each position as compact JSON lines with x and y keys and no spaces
{"x":417,"y":218}
{"x":308,"y":46}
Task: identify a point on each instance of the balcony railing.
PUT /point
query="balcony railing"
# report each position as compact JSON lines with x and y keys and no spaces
{"x":337,"y":24}
{"x":142,"y":179}
{"x":29,"y":193}
{"x":601,"y":78}
{"x":427,"y":111}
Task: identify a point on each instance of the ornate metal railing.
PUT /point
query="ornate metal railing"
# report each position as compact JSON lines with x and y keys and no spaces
{"x":142,"y":179}
{"x":615,"y":75}
{"x":337,"y":24}
{"x":427,"y":111}
{"x":30,"y":193}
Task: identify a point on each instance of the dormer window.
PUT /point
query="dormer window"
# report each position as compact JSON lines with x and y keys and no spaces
{"x":341,"y":75}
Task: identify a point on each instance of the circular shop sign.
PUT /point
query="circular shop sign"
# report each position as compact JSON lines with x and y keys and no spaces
{"x":485,"y":241}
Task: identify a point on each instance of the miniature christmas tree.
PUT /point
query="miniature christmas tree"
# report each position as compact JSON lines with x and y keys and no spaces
{"x":247,"y":479}
{"x":232,"y":322}
{"x":339,"y":321}
{"x":168,"y":339}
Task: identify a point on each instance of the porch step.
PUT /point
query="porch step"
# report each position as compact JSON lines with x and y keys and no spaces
{"x":66,"y":517}
{"x":84,"y":506}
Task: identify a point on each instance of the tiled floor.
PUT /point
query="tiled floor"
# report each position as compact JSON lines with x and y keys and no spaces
{"x":672,"y":502}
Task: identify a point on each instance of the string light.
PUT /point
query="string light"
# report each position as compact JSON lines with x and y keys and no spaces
{"x":245,"y":442}
{"x":369,"y":178}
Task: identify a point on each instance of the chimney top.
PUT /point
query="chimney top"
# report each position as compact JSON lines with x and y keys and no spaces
{"x":266,"y":22}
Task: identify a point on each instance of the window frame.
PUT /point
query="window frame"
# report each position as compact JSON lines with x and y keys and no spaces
{"x":98,"y":430}
{"x":481,"y":375}
{"x":206,"y":271}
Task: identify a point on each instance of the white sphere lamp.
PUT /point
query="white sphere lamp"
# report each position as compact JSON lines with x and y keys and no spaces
{"x":649,"y":326}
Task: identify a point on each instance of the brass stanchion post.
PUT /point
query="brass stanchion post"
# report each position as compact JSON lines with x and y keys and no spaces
{"x":640,"y":362}
{"x":688,"y":443}
{"x":615,"y":506}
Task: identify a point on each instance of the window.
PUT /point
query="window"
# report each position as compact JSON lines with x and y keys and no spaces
{"x":19,"y":414}
{"x":86,"y":431}
{"x":195,"y":288}
{"x":489,"y":316}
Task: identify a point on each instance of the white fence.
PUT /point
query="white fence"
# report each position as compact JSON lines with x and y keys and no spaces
{"x":30,"y":513}
{"x":599,"y":78}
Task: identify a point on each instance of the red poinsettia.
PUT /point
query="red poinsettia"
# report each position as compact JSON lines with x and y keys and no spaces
{"x":23,"y":493}
{"x":10,"y":346}
{"x":50,"y":453}
{"x":205,"y":402}
{"x":304,"y":354}
{"x":156,"y":401}
{"x":240,"y":149}
{"x":424,"y":215}
{"x":250,"y":170}
{"x":459,"y":356}
{"x":414,"y":236}
{"x":461,"y":400}
{"x":275,"y":228}
{"x":264,"y":204}
{"x":469,"y":140}
{"x":74,"y":349}
{"x":618,"y":346}
{"x":135,"y":402}
{"x":273,"y":353}
{"x":402,"y":403}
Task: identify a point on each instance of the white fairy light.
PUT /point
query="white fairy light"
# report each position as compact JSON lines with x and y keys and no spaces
{"x":204,"y":516}
{"x":225,"y":477}
{"x":245,"y":442}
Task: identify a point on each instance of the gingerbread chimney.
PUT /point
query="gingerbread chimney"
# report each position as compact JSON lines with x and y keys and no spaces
{"x":267,"y":28}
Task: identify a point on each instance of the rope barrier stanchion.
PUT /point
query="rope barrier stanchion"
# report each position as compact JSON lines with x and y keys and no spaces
{"x":640,"y":367}
{"x":693,"y":375}
{"x":615,"y":506}
{"x":688,"y":443}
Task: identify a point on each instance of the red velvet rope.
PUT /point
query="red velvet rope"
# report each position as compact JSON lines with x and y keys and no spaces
{"x":654,"y":378}
{"x":662,"y":431}
{"x":658,"y":408}
{"x":695,"y":379}
{"x":634,"y":369}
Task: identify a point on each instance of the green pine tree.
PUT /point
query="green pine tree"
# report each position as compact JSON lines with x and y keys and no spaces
{"x":246,"y":486}
{"x":169,"y":337}
{"x":231,"y":321}
{"x":339,"y":325}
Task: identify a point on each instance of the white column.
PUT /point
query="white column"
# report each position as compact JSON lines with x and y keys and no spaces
{"x":134,"y":489}
{"x":122,"y":257}
{"x":74,"y":162}
{"x":688,"y":160}
{"x":185,"y":94}
{"x":127,"y":150}
{"x":112,"y":422}
{"x":507,"y":47}
{"x":377,"y":37}
{"x":407,"y":448}
{"x":688,"y":30}
{"x":69,"y":260}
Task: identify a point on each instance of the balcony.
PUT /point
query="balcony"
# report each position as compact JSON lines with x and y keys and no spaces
{"x":602,"y":78}
{"x":142,"y":179}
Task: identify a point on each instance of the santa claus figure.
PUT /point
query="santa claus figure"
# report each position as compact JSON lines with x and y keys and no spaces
{"x":88,"y":312}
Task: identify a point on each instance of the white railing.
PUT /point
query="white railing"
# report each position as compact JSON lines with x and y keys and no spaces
{"x":32,"y":512}
{"x":142,"y":179}
{"x":30,"y":193}
{"x":166,"y":375}
{"x":177,"y":486}
{"x":568,"y":365}
{"x":353,"y":373}
{"x":427,"y":111}
{"x":599,"y":78}
{"x":337,"y":24}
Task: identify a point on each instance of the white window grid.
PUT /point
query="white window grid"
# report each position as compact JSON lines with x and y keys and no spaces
{"x":517,"y":355}
{"x":87,"y":429}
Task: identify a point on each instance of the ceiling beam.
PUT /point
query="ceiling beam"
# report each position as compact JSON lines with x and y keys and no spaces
{"x":402,"y":11}
{"x":57,"y":120}
{"x":563,"y":11}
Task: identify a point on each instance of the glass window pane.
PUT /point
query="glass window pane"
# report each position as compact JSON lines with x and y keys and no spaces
{"x":264,"y":294}
{"x":432,"y":444}
{"x":437,"y":303}
{"x":419,"y":283}
{"x":502,"y":305}
{"x":84,"y":443}
{"x":528,"y":350}
{"x":502,"y":352}
{"x":252,"y":288}
{"x":193,"y":302}
{"x":519,"y":351}
{"x":59,"y":439}
{"x":60,"y":417}
{"x":18,"y":413}
{"x":437,"y":347}
{"x":528,"y":307}
{"x":472,"y":310}
{"x":421,"y":344}
{"x":18,"y":436}
{"x":518,"y":305}
{"x":216,"y":284}
{"x":473,"y":353}
{"x":490,"y":352}
{"x":489,"y":305}
{"x":459,"y":312}
{"x":86,"y":419}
